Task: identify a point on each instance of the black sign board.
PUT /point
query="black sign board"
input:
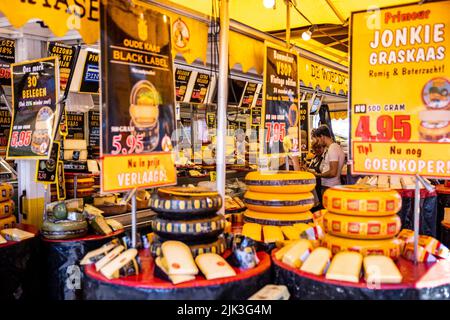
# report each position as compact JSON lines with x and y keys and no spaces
{"x":5,"y":126}
{"x":181,"y":83}
{"x":7,"y":57}
{"x":304,"y":126}
{"x":249,"y":95}
{"x":67,"y":56}
{"x":211,"y":120}
{"x":35,"y":94}
{"x":256,"y":112}
{"x":75,"y":125}
{"x":280,"y":98}
{"x":200,"y":88}
{"x":46,"y":170}
{"x":91,"y":75}
{"x":94,"y":128}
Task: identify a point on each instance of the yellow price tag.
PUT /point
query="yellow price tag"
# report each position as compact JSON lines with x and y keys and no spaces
{"x":213,"y":176}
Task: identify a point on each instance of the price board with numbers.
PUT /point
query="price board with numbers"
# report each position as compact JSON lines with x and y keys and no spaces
{"x":280,"y":99}
{"x":46,"y":170}
{"x":400,"y":107}
{"x":138,"y":91}
{"x":7,"y":57}
{"x":35,"y":90}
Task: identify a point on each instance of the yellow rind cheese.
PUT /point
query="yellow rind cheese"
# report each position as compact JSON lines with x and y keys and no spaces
{"x":252,"y":230}
{"x":277,"y":219}
{"x":362,"y":200}
{"x":272,"y":234}
{"x":387,"y":247}
{"x":6,"y":208}
{"x":6,"y":191}
{"x":280,"y":181}
{"x":345,"y":266}
{"x":381,"y":269}
{"x":279,"y":202}
{"x":356,"y":227}
{"x":290,"y":232}
{"x":317,"y":262}
{"x":280,"y":253}
{"x":297,"y":254}
{"x":8,"y":222}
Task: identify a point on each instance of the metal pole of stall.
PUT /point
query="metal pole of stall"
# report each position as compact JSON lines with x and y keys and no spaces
{"x":222,"y":99}
{"x":133,"y":220}
{"x":416,"y":219}
{"x":288,"y":40}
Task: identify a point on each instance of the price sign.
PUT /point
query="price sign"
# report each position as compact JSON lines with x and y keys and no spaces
{"x":66,"y":56}
{"x":75,"y":125}
{"x":249,"y":95}
{"x":46,"y":170}
{"x":181,"y":82}
{"x":60,"y":182}
{"x":394,"y":131}
{"x":200,"y":88}
{"x":7,"y":57}
{"x":91,"y":74}
{"x":304,"y":126}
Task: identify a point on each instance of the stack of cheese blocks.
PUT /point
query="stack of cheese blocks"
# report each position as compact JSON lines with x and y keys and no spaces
{"x":275,"y":200}
{"x":362,"y":219}
{"x":7,"y":218}
{"x":189,"y":215}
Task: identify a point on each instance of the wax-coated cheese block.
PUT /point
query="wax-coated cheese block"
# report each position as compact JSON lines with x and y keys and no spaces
{"x":318,"y":217}
{"x":345,"y":266}
{"x":318,"y":261}
{"x":381,"y":269}
{"x":179,"y":258}
{"x":82,"y":183}
{"x":114,"y":224}
{"x":297,"y":254}
{"x":192,"y":231}
{"x":387,"y":247}
{"x":14,"y":234}
{"x":434,"y":246}
{"x":290,"y":232}
{"x":217,"y":246}
{"x":271,"y":292}
{"x":280,"y":182}
{"x":301,"y":227}
{"x":6,"y":191}
{"x":422,"y":254}
{"x":90,"y":210}
{"x":6,"y":208}
{"x":75,"y":149}
{"x":97,"y":254}
{"x":100,"y":226}
{"x":277,"y":219}
{"x":112,"y":254}
{"x":8,"y":222}
{"x":356,"y":227}
{"x":112,"y":269}
{"x":64,"y":229}
{"x":100,"y":200}
{"x":272,"y":234}
{"x":362,"y":200}
{"x":214,"y":266}
{"x":278,"y":202}
{"x":185,"y":202}
{"x":284,"y":248}
{"x":252,"y":230}
{"x":162,"y":272}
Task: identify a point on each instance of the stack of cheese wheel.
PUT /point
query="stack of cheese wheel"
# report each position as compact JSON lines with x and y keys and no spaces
{"x":7,"y":218}
{"x":84,"y":186}
{"x":189,"y":215}
{"x":280,"y":198}
{"x":363,"y":219}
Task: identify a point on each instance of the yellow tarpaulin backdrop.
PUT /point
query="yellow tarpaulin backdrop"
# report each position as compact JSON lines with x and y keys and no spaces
{"x":248,"y":52}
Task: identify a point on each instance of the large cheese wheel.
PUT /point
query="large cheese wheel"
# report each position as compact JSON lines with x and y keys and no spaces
{"x":65,"y":229}
{"x":279,"y":202}
{"x":362,"y":200}
{"x":9,"y":222}
{"x":217,"y":246}
{"x":82,"y":183}
{"x":185,"y":203}
{"x":277,"y":219}
{"x":81,"y":193}
{"x":6,"y":208}
{"x":6,"y":191}
{"x":388,"y":247}
{"x":280,"y":182}
{"x":193,"y":231}
{"x":362,"y":227}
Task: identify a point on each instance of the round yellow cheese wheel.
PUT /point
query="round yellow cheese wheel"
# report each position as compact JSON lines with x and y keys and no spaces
{"x":6,"y":191}
{"x":362,"y":227}
{"x":360,"y":200}
{"x":279,"y":202}
{"x":387,"y":247}
{"x":277,"y":219}
{"x":9,"y":222}
{"x":6,"y":208}
{"x":280,"y":181}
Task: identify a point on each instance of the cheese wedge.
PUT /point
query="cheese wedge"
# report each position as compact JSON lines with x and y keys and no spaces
{"x":214,"y":266}
{"x":252,"y":230}
{"x":110,"y":270}
{"x":272,"y":234}
{"x":297,"y":254}
{"x":271,"y":292}
{"x":2,"y":240}
{"x":109,"y":257}
{"x":301,"y":227}
{"x":179,"y":258}
{"x":317,"y":262}
{"x":176,"y":278}
{"x":97,"y":254}
{"x":381,"y":269}
{"x":345,"y":266}
{"x":281,"y":252}
{"x":15,"y":234}
{"x":291,"y":233}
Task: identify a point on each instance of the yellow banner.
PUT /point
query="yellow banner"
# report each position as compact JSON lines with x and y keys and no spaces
{"x":247,"y":52}
{"x":314,"y":74}
{"x":399,"y":98}
{"x":138,"y":171}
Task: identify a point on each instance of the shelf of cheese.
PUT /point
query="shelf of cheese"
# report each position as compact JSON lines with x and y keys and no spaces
{"x":279,"y":202}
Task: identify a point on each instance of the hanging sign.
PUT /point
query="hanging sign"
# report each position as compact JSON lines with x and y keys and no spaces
{"x":94,"y":128}
{"x":75,"y":125}
{"x":200,"y":88}
{"x":7,"y":57}
{"x":91,"y":74}
{"x":63,"y":130}
{"x":181,"y":82}
{"x":304,"y":127}
{"x":255,"y":112}
{"x":5,"y":126}
{"x":60,"y":182}
{"x":46,"y":170}
{"x":249,"y":95}
{"x":67,"y":57}
{"x":211,"y":120}
{"x":280,"y":99}
{"x":138,"y":98}
{"x":400,"y":106}
{"x":35,"y":94}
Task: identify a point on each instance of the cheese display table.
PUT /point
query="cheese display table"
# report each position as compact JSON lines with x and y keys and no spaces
{"x":423,"y":281}
{"x":443,"y":202}
{"x":147,"y":287}
{"x":19,"y":264}
{"x":60,"y":260}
